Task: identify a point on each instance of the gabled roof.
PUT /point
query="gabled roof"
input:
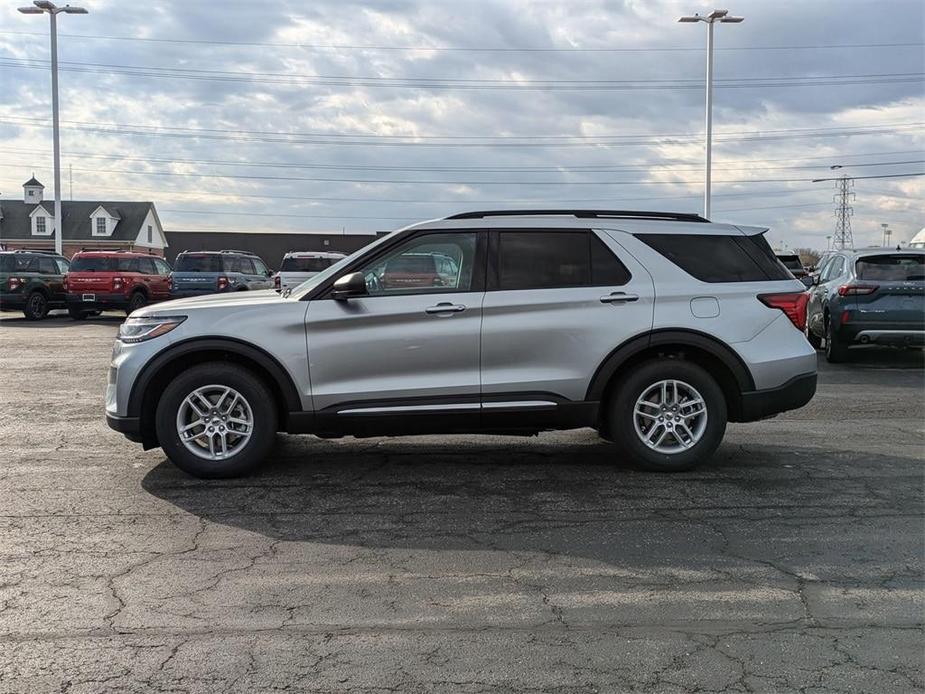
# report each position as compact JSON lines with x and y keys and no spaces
{"x":32,"y":182}
{"x":16,"y":223}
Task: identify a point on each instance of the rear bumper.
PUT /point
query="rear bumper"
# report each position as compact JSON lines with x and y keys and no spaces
{"x":12,"y":302}
{"x":185,"y":293}
{"x":129,"y":426}
{"x":796,"y":392}
{"x":101,"y":302}
{"x":899,"y":337}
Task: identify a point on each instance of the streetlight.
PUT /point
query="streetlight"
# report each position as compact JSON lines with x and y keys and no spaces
{"x":41,"y":7}
{"x":723,"y":17}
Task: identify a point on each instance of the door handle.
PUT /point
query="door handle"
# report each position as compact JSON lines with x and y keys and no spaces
{"x":445,"y":307}
{"x":619,"y":298}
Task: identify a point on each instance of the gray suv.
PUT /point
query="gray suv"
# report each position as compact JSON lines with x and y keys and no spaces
{"x":653,"y":328}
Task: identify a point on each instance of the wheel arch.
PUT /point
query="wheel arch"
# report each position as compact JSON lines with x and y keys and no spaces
{"x":704,"y":350}
{"x":153,"y":379}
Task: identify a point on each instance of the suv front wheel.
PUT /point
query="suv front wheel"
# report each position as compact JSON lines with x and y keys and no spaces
{"x":216,"y":420}
{"x":668,"y":415}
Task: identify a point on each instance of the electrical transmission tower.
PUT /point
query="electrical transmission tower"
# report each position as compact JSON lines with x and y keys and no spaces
{"x":844,"y":196}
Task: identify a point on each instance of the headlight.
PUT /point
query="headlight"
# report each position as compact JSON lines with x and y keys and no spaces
{"x":147,"y":328}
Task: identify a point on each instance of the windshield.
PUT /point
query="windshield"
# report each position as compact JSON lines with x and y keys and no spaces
{"x":892,"y":268}
{"x":324,"y":275}
{"x":102,"y":263}
{"x":199,"y":263}
{"x":305,"y":264}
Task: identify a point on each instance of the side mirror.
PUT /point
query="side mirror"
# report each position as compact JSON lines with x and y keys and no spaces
{"x":808,"y":281}
{"x":353,"y":284}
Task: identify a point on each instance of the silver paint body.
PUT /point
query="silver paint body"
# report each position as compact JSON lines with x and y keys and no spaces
{"x":534,"y":341}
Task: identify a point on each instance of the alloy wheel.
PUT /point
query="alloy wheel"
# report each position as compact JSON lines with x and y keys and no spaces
{"x":215,"y":422}
{"x":670,"y":416}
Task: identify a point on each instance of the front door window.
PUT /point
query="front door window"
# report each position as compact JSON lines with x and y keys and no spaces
{"x":433,"y":263}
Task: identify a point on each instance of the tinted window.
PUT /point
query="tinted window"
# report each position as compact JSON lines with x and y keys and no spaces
{"x":63,"y":266}
{"x":606,"y":268}
{"x":712,"y":258}
{"x":429,"y":263}
{"x":259,"y":266}
{"x":791,"y":262}
{"x":146,"y":266}
{"x":102,"y":263}
{"x":551,"y":259}
{"x":292,"y":264}
{"x":7,"y":263}
{"x":543,"y":260}
{"x":199,"y":263}
{"x":47,"y":266}
{"x":239,"y":264}
{"x":892,"y":268}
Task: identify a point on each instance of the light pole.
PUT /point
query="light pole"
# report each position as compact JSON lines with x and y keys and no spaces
{"x":723,"y":17}
{"x":41,"y":7}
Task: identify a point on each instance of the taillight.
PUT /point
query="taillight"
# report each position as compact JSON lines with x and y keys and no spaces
{"x":277,"y":284}
{"x":14,"y":283}
{"x":117,"y":283}
{"x":222,"y":283}
{"x":856,"y":289}
{"x":791,"y":303}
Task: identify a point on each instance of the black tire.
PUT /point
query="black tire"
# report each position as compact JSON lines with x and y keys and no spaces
{"x":76,"y":313}
{"x":620,"y":414}
{"x":36,"y":307}
{"x":251,"y":388}
{"x":814,"y":340}
{"x":136,"y":301}
{"x":836,"y":351}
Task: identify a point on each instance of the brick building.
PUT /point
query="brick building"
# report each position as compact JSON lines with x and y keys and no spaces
{"x":30,"y":224}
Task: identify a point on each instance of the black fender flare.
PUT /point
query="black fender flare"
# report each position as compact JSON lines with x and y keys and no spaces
{"x":690,"y":338}
{"x":268,"y":363}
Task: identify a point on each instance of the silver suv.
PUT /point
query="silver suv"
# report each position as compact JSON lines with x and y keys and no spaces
{"x":653,"y":328}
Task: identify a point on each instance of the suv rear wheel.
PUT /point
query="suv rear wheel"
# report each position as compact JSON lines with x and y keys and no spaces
{"x":668,"y":414}
{"x":36,"y":306}
{"x":137,"y":301}
{"x":836,"y":351}
{"x":216,"y":420}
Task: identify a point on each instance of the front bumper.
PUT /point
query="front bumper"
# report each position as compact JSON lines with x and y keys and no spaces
{"x":129,"y":426}
{"x":759,"y":404}
{"x":101,"y":302}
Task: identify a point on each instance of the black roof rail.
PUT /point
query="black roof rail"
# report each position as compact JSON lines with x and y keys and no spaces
{"x":231,"y":250}
{"x":586,"y":214}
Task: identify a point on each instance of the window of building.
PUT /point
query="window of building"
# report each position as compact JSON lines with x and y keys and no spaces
{"x":150,"y":234}
{"x":40,"y":225}
{"x":31,"y":193}
{"x":100,"y":226}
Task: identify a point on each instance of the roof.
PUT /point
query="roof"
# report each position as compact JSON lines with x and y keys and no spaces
{"x":15,"y":222}
{"x":32,"y":182}
{"x":919,"y":237}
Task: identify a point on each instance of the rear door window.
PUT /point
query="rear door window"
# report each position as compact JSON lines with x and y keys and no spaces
{"x":239,"y":264}
{"x":892,"y":268}
{"x":47,"y":266}
{"x":146,"y":266}
{"x":720,"y":258}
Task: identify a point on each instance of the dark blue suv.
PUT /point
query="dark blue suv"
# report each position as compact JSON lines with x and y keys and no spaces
{"x":870,"y":296}
{"x":210,"y":272}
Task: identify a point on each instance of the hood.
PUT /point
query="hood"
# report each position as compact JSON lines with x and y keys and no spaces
{"x":229,"y":300}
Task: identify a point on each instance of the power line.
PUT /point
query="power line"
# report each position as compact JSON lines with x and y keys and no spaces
{"x":459,"y":84}
{"x":748,"y":165}
{"x":530,"y":142}
{"x":478,"y":49}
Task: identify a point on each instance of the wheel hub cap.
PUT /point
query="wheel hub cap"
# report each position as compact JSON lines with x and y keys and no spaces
{"x":215,"y":422}
{"x":670,"y":416}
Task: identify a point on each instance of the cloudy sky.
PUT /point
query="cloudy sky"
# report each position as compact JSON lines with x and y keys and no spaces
{"x":363,"y":116}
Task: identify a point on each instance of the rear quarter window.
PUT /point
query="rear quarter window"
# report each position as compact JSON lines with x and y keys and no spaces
{"x":720,"y":258}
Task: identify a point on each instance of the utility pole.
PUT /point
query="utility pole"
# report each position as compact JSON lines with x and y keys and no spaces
{"x":41,"y":7}
{"x":723,"y":17}
{"x":70,"y":175}
{"x":887,"y":234}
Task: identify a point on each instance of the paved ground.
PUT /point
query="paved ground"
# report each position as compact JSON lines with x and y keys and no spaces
{"x":794,"y":562}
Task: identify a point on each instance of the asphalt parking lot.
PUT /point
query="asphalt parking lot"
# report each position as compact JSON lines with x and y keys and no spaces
{"x":793,"y":562}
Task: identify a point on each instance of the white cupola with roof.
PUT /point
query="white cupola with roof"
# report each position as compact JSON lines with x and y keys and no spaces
{"x":32,"y":191}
